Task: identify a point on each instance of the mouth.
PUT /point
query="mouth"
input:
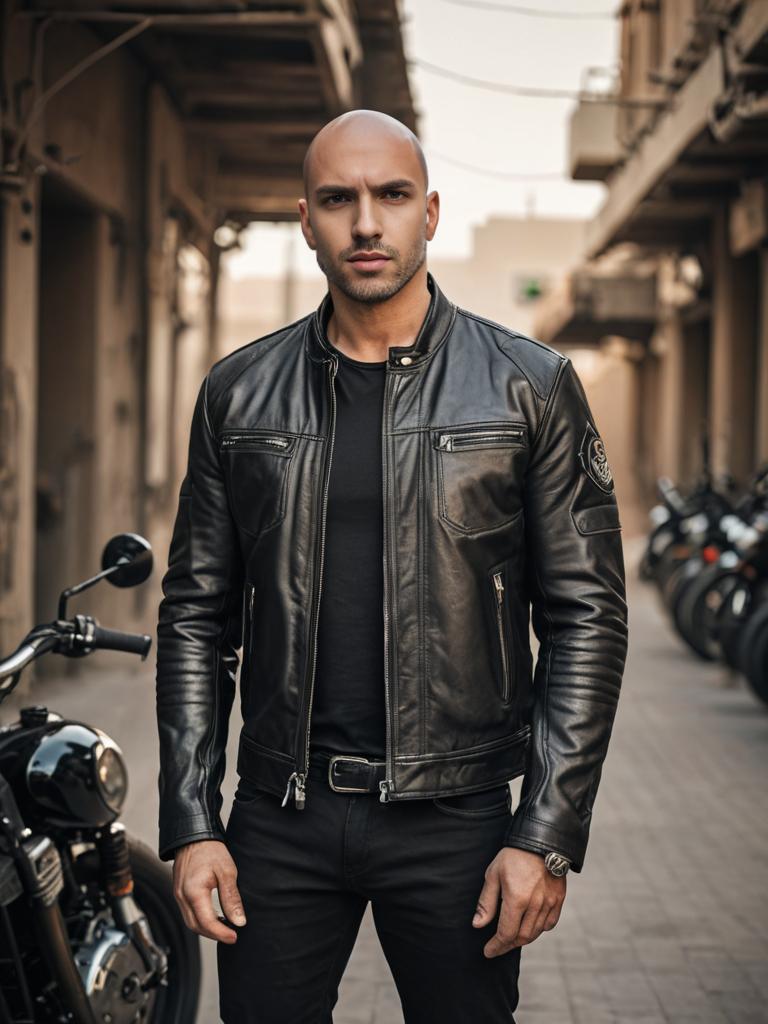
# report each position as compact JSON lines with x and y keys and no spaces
{"x":369,"y":261}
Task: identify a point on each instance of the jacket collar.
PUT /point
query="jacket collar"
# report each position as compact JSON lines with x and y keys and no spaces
{"x":434,"y":328}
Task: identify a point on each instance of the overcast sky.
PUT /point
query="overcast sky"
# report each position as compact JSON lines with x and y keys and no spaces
{"x":502,"y":133}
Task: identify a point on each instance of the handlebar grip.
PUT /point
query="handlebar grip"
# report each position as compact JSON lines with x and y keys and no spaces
{"x":115,"y":640}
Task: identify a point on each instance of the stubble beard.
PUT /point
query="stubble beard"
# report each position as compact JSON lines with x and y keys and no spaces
{"x":374,"y":291}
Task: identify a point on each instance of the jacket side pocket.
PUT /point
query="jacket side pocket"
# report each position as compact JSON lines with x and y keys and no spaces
{"x":598,"y":519}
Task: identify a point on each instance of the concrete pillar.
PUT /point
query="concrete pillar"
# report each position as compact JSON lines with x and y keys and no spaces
{"x":645,"y":419}
{"x":18,"y":411}
{"x":761,"y":424}
{"x":733,"y":356}
{"x":669,"y":343}
{"x":695,"y":398}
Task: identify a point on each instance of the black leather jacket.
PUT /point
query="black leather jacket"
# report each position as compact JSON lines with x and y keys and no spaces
{"x":497,"y":498}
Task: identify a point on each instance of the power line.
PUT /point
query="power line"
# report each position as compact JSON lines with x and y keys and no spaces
{"x":481,"y":83}
{"x":506,"y":175}
{"x":538,"y":91}
{"x":532,"y":12}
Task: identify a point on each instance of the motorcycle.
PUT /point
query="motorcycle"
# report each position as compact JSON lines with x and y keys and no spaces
{"x":90,"y":931}
{"x":685,"y":528}
{"x":707,"y":554}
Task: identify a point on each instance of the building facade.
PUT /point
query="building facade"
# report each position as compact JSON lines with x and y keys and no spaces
{"x":675,"y":273}
{"x":136,"y":141}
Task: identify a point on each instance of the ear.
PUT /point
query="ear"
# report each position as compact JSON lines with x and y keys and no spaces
{"x":306,"y":227}
{"x":432,"y":214}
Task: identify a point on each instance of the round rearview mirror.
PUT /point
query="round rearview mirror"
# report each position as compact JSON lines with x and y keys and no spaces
{"x":133,"y":554}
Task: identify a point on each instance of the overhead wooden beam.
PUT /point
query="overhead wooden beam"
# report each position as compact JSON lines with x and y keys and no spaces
{"x":256,"y":129}
{"x":337,"y":51}
{"x":186,"y":21}
{"x":657,"y":152}
{"x":750,"y":35}
{"x":238,"y":186}
{"x":232,"y":98}
{"x":263,"y":206}
{"x":149,"y":6}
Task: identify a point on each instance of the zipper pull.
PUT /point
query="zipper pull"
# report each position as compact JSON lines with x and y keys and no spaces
{"x":384,"y":787}
{"x":300,"y":792}
{"x":498,"y":583}
{"x":293,"y":775}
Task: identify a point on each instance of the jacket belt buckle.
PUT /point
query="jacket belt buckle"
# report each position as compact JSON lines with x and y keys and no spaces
{"x":346,"y":789}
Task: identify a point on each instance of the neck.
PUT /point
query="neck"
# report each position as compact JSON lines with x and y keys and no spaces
{"x":366,"y":332}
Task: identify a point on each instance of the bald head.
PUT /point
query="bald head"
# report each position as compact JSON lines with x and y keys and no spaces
{"x":356,"y":130}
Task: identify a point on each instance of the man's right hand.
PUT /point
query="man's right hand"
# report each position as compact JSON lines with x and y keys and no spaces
{"x":198,"y":868}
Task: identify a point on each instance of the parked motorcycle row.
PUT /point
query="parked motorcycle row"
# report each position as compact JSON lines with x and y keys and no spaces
{"x":89,"y":927}
{"x":707,"y":553}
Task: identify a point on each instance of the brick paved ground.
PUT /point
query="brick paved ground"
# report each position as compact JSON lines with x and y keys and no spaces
{"x":678,"y":932}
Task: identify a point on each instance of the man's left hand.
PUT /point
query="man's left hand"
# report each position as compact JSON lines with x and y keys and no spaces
{"x":531,"y":897}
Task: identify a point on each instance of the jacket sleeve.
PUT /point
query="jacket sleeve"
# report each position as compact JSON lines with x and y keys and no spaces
{"x":197,"y":641}
{"x":575,"y":573}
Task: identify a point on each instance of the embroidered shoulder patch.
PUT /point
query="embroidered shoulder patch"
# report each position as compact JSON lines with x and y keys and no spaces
{"x":594,"y":461}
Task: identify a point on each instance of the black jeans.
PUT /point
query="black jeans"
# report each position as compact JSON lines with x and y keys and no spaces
{"x":306,"y":878}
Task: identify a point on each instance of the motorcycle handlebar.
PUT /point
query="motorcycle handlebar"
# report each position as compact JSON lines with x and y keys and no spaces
{"x":116,"y":640}
{"x":670,"y":495}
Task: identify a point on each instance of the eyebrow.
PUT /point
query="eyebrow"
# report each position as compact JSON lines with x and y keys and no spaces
{"x":324,"y":190}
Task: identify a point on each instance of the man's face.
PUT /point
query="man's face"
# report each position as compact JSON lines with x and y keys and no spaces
{"x":365,"y":200}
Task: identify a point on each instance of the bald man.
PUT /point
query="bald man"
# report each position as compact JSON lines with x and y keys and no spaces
{"x":380,"y":490}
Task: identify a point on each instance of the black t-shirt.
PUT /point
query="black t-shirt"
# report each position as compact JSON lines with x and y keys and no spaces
{"x":348,"y":710}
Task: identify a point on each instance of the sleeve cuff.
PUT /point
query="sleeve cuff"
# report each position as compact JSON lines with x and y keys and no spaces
{"x":540,"y":837}
{"x":168,"y":852}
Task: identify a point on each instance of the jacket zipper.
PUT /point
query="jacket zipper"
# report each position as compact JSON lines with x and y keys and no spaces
{"x":498,"y":583}
{"x":386,"y":785}
{"x":247,"y":440}
{"x":299,"y":778}
{"x":449,"y":442}
{"x":250,"y":621}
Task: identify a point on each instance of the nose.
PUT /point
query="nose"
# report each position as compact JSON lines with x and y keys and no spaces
{"x":366,"y":223}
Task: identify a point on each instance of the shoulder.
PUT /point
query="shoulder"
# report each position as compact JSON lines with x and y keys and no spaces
{"x":538,"y":362}
{"x":225,"y":371}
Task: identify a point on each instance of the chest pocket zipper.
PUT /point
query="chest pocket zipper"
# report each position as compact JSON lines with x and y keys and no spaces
{"x":272,"y":442}
{"x":502,"y":632}
{"x":493,"y":438}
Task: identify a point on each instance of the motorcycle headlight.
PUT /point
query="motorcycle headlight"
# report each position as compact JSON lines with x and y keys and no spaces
{"x":111,"y":776}
{"x":78,"y":775}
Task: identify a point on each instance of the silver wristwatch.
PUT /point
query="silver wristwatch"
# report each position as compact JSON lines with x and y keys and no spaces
{"x":556,"y":864}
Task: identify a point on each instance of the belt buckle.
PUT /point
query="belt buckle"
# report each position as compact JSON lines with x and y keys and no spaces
{"x":345,"y":789}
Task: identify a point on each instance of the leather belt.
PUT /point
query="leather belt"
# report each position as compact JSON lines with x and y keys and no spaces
{"x":347,"y":773}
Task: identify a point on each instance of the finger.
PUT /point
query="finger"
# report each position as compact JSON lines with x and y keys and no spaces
{"x":229,"y":897}
{"x":553,"y":917}
{"x":531,"y":924}
{"x":512,"y":911}
{"x":206,"y":920}
{"x":526,"y":932}
{"x":487,"y":901}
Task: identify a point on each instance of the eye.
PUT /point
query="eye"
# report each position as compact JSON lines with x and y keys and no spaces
{"x":337,"y":195}
{"x":394,"y":192}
